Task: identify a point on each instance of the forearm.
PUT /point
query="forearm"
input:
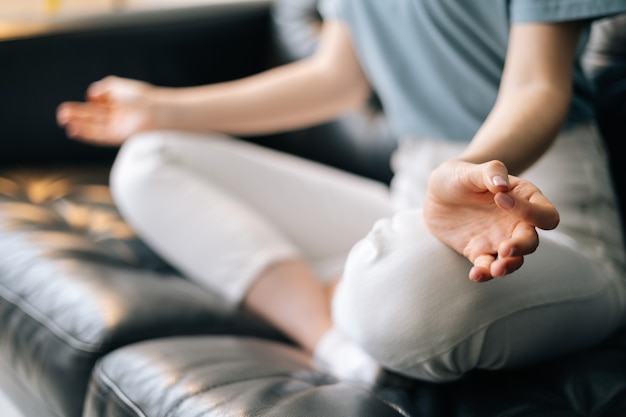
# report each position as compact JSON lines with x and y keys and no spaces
{"x":534,"y":97}
{"x":285,"y":98}
{"x":296,"y":95}
{"x":293,"y":96}
{"x":521,"y":127}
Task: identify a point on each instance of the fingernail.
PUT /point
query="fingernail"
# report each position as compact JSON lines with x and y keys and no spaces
{"x":500,"y":181}
{"x":506,"y":201}
{"x":478,"y":278}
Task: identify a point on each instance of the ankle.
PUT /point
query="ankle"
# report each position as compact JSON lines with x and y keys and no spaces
{"x":344,"y":359}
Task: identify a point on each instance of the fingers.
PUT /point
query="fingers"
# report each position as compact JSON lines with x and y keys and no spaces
{"x":521,"y":198}
{"x":488,"y":267}
{"x":504,"y":266}
{"x":65,"y":113}
{"x":100,"y":91}
{"x":535,"y":210}
{"x":481,"y":271}
{"x":520,"y":208}
{"x":510,"y":256}
{"x":80,"y":113}
{"x":524,"y":241}
{"x":97,"y":93}
{"x":84,"y":120}
{"x":494,"y":176}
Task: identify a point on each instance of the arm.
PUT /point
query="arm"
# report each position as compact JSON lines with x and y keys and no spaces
{"x":288,"y":97}
{"x":534,"y":96}
{"x":303,"y":93}
{"x":473,"y":204}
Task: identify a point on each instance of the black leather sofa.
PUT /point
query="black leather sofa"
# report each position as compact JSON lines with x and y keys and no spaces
{"x":94,"y":324}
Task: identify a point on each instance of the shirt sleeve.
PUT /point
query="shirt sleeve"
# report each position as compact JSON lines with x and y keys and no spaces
{"x":331,"y":9}
{"x":524,"y":11}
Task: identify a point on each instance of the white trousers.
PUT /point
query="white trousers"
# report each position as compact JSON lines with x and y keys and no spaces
{"x":222,"y":210}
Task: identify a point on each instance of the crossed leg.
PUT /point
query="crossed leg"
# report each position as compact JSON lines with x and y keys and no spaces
{"x":262,"y":229}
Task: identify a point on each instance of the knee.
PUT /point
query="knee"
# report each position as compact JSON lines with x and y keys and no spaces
{"x":404,"y":298}
{"x":139,"y":158}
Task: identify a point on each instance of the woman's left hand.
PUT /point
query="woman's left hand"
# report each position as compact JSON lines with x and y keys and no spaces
{"x":487,"y":215}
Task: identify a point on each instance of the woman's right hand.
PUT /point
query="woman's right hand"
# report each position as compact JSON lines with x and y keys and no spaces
{"x":115,"y":108}
{"x":487,"y":215}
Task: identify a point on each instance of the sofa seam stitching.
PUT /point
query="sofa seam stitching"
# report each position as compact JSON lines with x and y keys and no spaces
{"x":28,"y":309}
{"x":106,"y":380}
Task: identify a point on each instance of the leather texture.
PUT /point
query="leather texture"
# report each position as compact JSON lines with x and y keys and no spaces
{"x":226,"y":376}
{"x":605,"y":61}
{"x":94,"y":324}
{"x":168,"y":48}
{"x":76,"y":283}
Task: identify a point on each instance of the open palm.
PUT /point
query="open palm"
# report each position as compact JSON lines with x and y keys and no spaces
{"x":115,"y":109}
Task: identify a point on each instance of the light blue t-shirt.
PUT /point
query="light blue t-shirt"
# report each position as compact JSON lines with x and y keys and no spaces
{"x":436,"y":64}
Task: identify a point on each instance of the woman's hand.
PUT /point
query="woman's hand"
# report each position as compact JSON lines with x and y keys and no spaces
{"x":115,"y":109}
{"x":490,"y":217}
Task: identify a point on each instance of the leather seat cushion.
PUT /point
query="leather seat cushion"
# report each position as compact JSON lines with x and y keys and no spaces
{"x":76,"y":283}
{"x":227,"y":376}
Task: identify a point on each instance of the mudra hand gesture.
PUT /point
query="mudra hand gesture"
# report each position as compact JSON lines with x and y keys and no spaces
{"x":487,"y":215}
{"x":115,"y":108}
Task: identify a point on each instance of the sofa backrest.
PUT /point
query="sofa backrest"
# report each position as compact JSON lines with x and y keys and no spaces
{"x":37,"y":73}
{"x":605,"y":63}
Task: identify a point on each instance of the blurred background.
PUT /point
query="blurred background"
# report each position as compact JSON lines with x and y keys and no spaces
{"x":36,"y":10}
{"x":27,"y":17}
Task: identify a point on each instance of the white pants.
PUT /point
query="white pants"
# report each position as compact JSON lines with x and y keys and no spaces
{"x":223,"y":210}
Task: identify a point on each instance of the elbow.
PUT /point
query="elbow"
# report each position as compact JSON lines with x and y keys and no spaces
{"x":348,"y":88}
{"x":358,"y":97}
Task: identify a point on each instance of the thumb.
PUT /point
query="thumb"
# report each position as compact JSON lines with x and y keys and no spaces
{"x":495,"y":176}
{"x":98,"y":92}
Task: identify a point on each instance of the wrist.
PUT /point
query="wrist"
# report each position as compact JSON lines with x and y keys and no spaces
{"x":159,"y":108}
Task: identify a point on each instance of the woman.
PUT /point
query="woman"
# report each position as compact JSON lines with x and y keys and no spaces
{"x":498,"y":147}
